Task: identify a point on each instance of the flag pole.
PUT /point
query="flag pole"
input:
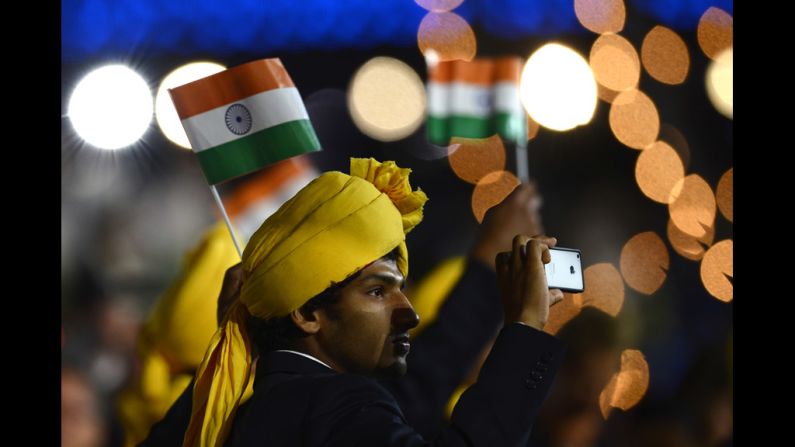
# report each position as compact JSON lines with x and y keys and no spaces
{"x":226,"y":218}
{"x":522,"y":160}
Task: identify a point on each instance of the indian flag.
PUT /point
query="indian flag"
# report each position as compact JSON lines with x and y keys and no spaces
{"x":474,"y":99}
{"x":244,"y":118}
{"x":438,"y":92}
{"x":509,"y":115}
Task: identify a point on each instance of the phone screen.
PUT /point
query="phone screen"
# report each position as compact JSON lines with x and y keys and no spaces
{"x":565,"y":270}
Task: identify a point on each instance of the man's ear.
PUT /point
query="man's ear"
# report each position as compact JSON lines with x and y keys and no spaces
{"x":305,"y":320}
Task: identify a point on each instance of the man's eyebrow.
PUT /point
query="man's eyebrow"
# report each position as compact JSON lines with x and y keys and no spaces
{"x":386,"y":278}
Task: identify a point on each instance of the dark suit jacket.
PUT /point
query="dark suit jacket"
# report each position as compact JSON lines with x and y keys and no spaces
{"x":299,"y":402}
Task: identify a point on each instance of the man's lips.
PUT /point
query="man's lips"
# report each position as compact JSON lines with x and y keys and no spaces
{"x":402,"y":344}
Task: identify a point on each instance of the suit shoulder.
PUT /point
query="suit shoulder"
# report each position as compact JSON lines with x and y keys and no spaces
{"x":352,"y":388}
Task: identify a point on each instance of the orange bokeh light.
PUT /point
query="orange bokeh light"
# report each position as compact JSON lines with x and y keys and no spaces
{"x":472,"y":158}
{"x":725,"y":195}
{"x":688,"y":246}
{"x":715,"y":32}
{"x":645,"y":262}
{"x":563,"y":312}
{"x":448,"y":36}
{"x":615,"y":63}
{"x":604,"y":288}
{"x":628,"y":386}
{"x":491,"y":190}
{"x":693,"y":210}
{"x":601,"y":16}
{"x":716,"y":269}
{"x":605,"y":94}
{"x":634,"y":119}
{"x":658,"y":171}
{"x":665,"y":56}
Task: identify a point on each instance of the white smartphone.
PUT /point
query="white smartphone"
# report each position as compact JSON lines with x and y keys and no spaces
{"x":564,"y":271}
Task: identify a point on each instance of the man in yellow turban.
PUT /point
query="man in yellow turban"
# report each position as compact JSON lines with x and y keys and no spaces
{"x":321,"y":303}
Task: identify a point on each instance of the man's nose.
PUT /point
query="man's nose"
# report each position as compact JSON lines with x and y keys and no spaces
{"x":403,"y":316}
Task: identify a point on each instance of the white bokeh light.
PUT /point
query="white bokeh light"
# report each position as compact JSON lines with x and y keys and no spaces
{"x":111,"y":107}
{"x":720,"y":82}
{"x":165,"y":113}
{"x":386,"y":99}
{"x":558,"y":88}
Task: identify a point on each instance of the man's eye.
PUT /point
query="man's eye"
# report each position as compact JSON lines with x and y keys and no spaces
{"x":378,"y":291}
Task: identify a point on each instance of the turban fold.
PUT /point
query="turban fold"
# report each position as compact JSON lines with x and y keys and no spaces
{"x":331,"y":229}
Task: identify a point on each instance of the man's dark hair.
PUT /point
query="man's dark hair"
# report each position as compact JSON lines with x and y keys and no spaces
{"x":280,"y":332}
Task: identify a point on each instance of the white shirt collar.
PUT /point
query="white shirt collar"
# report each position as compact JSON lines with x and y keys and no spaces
{"x":304,"y":355}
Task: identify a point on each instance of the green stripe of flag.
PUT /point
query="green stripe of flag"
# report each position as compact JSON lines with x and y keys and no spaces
{"x":254,"y":151}
{"x":438,"y":131}
{"x":469,"y":127}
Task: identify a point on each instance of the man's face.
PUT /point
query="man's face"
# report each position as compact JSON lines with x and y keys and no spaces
{"x":366,"y":331}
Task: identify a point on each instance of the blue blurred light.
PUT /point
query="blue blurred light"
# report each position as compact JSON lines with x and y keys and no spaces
{"x":112,"y":27}
{"x":681,"y":15}
{"x":520,"y":18}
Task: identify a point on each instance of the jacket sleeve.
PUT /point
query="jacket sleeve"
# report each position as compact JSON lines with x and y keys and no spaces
{"x":499,"y":409}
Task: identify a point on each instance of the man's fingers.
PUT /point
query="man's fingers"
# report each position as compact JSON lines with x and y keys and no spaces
{"x":546,"y":242}
{"x":549,"y":241}
{"x":528,"y":249}
{"x":501,"y":262}
{"x":546,"y":257}
{"x":536,"y":248}
{"x":555,"y":296}
{"x":518,"y":254}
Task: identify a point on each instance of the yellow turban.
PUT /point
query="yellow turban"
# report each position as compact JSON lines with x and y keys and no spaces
{"x":175,"y":335}
{"x":331,"y":229}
